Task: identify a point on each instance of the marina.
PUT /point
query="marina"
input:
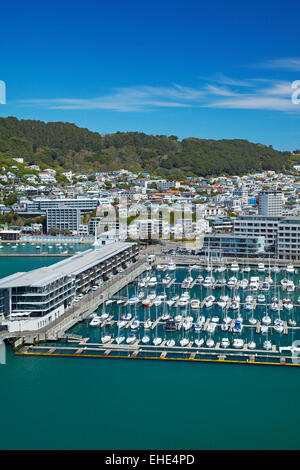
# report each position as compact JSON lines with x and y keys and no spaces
{"x":196,"y":313}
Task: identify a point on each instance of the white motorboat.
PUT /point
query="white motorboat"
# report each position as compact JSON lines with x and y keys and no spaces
{"x":238,"y":343}
{"x":160,"y":267}
{"x":267,"y":345}
{"x":251,"y":345}
{"x":199,"y":342}
{"x":171,"y":266}
{"x":254,"y":283}
{"x":290,"y":268}
{"x":266,"y":320}
{"x":209,"y":301}
{"x":208,"y":282}
{"x":157,"y":302}
{"x":187,"y":325}
{"x":265,"y":286}
{"x":195,"y":303}
{"x":165,"y":316}
{"x":170,"y":343}
{"x":264,"y":329}
{"x":105,"y":339}
{"x":290,"y":286}
{"x":120,"y":339}
{"x":184,"y":342}
{"x":135,"y":324}
{"x":131,"y":338}
{"x":278,"y":325}
{"x":147,"y":324}
{"x":288,"y":304}
{"x":157,"y":341}
{"x":178,"y":318}
{"x":95,"y":321}
{"x":252,"y":321}
{"x":244,"y":283}
{"x":261,"y":298}
{"x":232,"y":282}
{"x":225,"y":343}
{"x":199,"y":279}
{"x":145,"y":339}
{"x":234,"y":267}
{"x":153,"y":281}
{"x":166,"y":279}
{"x":261,"y":267}
{"x":210,"y":343}
{"x":183,"y":302}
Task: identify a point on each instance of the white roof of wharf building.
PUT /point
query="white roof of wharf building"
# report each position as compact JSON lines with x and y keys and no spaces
{"x":71,"y":266}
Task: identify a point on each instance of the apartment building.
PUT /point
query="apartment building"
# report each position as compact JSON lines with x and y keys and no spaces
{"x":258,"y":226}
{"x":270,"y":203}
{"x":288,"y":241}
{"x":63,"y":218}
{"x":232,"y":245}
{"x":31,"y":300}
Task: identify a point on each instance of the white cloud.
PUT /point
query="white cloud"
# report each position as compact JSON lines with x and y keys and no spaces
{"x":263,"y":94}
{"x":284,"y":63}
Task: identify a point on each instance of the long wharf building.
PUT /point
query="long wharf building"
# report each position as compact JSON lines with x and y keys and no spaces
{"x":32,"y":300}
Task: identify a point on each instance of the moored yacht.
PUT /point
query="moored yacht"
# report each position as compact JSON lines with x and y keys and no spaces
{"x":131,"y":338}
{"x":225,"y":343}
{"x":261,"y":267}
{"x":290,"y":268}
{"x":234,"y":267}
{"x":120,"y":339}
{"x":157,"y":341}
{"x":238,"y":343}
{"x":184,"y":342}
{"x":145,"y":339}
{"x":105,"y":339}
{"x":171,"y":266}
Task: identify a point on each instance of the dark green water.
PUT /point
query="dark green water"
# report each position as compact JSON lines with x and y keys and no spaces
{"x":73,"y":403}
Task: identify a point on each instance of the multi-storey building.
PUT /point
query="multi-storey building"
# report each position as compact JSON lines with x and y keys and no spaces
{"x":288,"y":241}
{"x":230,"y":244}
{"x":32,"y":300}
{"x":41,"y":205}
{"x":270,"y":203}
{"x":63,"y":218}
{"x":258,"y":226}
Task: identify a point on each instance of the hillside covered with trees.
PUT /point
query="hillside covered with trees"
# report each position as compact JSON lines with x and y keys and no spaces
{"x":64,"y":145}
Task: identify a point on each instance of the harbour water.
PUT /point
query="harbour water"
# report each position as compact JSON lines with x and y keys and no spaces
{"x":57,"y":403}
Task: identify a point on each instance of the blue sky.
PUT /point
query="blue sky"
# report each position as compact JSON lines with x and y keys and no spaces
{"x":215,"y":69}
